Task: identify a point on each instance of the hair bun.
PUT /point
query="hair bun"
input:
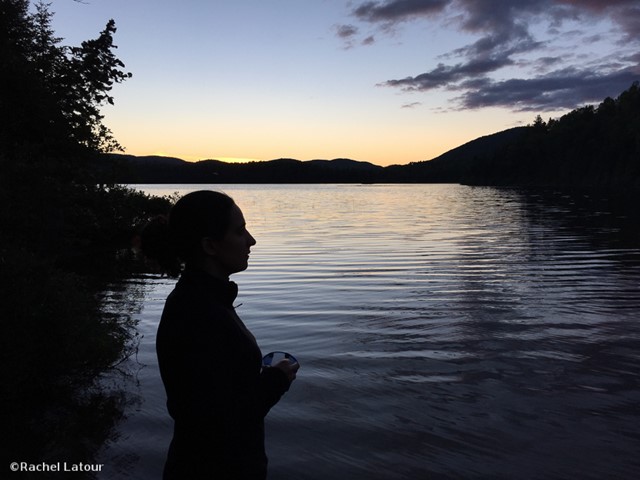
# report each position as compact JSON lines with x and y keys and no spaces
{"x":156,"y":245}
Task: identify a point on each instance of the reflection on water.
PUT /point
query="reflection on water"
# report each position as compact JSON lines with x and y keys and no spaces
{"x":444,"y":332}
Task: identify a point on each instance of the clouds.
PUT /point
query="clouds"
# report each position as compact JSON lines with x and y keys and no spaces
{"x":559,"y":90}
{"x":346,"y":31}
{"x":411,"y":105}
{"x":349,"y":35}
{"x":538,"y":55}
{"x":398,"y":10}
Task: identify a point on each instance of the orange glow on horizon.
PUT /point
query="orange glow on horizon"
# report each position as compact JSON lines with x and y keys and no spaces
{"x":382,"y":143}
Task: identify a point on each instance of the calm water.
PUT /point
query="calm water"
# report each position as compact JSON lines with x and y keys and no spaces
{"x":443,"y":332}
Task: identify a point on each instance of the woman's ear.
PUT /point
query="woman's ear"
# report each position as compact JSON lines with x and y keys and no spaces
{"x":209,"y":246}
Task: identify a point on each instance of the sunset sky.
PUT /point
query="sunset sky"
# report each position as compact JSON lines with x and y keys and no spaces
{"x":388,"y":82}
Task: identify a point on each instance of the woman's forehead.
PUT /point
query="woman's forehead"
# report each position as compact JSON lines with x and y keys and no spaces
{"x":236,"y":216}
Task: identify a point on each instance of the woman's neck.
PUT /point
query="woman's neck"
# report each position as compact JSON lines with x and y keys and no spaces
{"x":208,"y":265}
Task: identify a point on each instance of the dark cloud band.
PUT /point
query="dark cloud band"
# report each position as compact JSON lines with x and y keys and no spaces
{"x":505,"y":40}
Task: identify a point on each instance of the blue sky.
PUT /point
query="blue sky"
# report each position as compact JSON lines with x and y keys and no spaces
{"x":387,"y":82}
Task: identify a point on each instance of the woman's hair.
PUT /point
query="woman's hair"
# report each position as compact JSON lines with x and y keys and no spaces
{"x":176,"y":239}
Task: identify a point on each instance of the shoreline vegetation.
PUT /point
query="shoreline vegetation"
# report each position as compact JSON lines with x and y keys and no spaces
{"x":592,"y":147}
{"x":68,"y":221}
{"x":64,"y":240}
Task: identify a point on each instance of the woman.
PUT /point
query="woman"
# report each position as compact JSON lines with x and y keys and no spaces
{"x":218,"y":393}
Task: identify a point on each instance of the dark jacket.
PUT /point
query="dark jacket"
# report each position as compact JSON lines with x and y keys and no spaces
{"x":217,"y":391}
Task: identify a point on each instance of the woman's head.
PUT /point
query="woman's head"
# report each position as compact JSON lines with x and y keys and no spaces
{"x":205,"y":229}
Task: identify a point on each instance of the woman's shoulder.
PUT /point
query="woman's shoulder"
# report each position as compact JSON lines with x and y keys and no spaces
{"x":190,"y":320}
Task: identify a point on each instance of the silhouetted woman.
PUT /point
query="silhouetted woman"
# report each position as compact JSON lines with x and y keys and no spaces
{"x":218,"y":393}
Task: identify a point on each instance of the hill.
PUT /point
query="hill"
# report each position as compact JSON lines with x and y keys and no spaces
{"x":129,"y":169}
{"x":454,"y":165}
{"x":447,"y":168}
{"x":590,"y":147}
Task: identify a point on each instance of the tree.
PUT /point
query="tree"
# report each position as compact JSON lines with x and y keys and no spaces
{"x":59,"y":237}
{"x":45,"y":53}
{"x":53,"y":93}
{"x":539,"y":124}
{"x":18,"y":115}
{"x":93,"y":70}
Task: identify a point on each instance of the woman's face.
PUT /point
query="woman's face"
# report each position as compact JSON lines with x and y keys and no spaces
{"x":232,"y":252}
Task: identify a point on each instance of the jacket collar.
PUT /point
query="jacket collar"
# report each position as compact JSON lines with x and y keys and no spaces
{"x":224,"y":291}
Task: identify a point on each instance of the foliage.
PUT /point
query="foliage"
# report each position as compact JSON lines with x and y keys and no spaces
{"x":63,"y":245}
{"x":61,"y":235}
{"x":52,"y":94}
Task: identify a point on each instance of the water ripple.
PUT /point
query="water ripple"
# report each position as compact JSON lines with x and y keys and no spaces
{"x":443,"y":331}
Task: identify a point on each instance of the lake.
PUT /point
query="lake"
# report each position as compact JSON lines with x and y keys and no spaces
{"x":443,"y":332}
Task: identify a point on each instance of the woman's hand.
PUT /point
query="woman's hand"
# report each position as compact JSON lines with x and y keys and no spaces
{"x":288,"y":368}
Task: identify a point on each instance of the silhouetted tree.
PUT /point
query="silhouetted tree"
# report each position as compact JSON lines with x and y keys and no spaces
{"x":58,"y":230}
{"x":539,"y":124}
{"x":53,"y":93}
{"x":92,"y":70}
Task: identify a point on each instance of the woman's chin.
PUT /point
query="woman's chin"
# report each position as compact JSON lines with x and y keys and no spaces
{"x":241,"y":267}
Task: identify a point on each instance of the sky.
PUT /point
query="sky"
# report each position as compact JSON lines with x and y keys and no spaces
{"x":388,"y":82}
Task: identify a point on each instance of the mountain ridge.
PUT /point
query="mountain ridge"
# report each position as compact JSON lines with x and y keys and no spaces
{"x":131,"y":169}
{"x":590,"y":147}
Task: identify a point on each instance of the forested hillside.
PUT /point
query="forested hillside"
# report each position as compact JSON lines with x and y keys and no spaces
{"x":593,"y":147}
